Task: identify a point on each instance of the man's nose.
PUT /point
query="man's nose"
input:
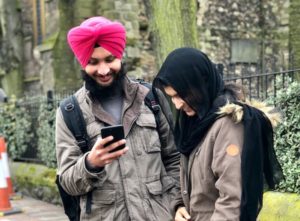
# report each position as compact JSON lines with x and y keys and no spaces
{"x":102,"y":68}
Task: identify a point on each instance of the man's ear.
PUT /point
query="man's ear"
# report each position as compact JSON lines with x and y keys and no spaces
{"x":123,"y":67}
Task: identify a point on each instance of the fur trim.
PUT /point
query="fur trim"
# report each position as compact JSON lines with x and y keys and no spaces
{"x":236,"y":111}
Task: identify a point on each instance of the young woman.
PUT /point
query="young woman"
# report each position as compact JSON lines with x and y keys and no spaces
{"x":226,"y":144}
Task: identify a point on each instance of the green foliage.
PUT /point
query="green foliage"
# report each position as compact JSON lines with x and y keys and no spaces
{"x":23,"y":131}
{"x":37,"y":180}
{"x":46,"y":134}
{"x":287,"y":137}
{"x":15,"y":126}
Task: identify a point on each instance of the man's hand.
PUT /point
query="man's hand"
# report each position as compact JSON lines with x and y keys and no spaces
{"x":100,"y":155}
{"x":182,"y":214}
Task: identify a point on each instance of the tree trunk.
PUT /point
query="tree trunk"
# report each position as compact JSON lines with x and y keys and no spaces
{"x":11,"y":51}
{"x":294,"y":34}
{"x":66,"y":70}
{"x":173,"y":25}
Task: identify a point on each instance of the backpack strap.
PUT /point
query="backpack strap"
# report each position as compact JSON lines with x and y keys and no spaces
{"x":151,"y":101}
{"x":70,"y":203}
{"x":74,"y":120}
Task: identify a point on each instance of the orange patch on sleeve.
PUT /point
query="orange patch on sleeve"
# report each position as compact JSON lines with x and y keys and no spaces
{"x":232,"y":150}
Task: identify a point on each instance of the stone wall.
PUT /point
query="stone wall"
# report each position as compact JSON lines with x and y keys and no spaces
{"x":43,"y":52}
{"x":138,"y":55}
{"x":30,"y":66}
{"x":37,"y":70}
{"x":125,"y":11}
{"x":220,"y":22}
{"x":264,"y":22}
{"x":51,"y":18}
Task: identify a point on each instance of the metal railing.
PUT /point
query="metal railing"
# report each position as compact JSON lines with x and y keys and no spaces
{"x":262,"y":86}
{"x":258,"y":86}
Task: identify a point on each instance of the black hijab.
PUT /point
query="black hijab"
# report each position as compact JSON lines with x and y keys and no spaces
{"x":196,"y":80}
{"x":194,"y":77}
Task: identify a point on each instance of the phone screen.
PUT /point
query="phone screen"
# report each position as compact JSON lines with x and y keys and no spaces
{"x":117,"y":131}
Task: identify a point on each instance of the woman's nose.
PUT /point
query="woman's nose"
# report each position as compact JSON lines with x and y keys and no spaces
{"x":177,"y":102}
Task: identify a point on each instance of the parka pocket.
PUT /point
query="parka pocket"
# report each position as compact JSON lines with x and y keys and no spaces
{"x":155,"y":188}
{"x":103,"y":205}
{"x":105,"y":197}
{"x":159,"y":200}
{"x":148,"y":135}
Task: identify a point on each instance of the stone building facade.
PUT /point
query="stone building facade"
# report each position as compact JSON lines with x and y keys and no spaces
{"x":253,"y":32}
{"x":40,"y":28}
{"x":231,"y":32}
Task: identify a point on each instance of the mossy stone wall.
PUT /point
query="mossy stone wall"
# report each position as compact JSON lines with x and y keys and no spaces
{"x":72,"y":13}
{"x":36,"y":181}
{"x":154,"y":28}
{"x":280,"y":207}
{"x":265,"y":22}
{"x":13,"y":83}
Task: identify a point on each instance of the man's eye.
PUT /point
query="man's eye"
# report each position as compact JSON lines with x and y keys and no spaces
{"x":110,"y":59}
{"x":93,"y":61}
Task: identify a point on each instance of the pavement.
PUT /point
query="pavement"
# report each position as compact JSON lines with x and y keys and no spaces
{"x":34,"y":210}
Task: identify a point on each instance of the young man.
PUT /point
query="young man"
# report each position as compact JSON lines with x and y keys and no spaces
{"x":138,"y":182}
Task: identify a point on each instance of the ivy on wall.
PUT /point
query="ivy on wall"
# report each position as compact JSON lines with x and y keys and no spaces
{"x":22,"y":132}
{"x":46,"y":134}
{"x":287,"y":137}
{"x":15,"y":126}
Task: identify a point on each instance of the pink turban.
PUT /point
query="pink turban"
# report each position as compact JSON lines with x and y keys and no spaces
{"x":97,"y":30}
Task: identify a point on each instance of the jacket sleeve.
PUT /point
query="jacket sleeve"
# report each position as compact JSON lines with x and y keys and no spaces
{"x":178,"y":200}
{"x":170,"y":155}
{"x":74,"y":176}
{"x":226,"y":166}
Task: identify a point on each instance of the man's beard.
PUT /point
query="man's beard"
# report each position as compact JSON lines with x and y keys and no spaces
{"x":98,"y":91}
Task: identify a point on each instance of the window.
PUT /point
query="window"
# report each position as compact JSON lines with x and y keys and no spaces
{"x":38,"y":21}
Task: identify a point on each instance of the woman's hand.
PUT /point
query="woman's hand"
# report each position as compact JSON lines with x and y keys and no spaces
{"x":182,"y":214}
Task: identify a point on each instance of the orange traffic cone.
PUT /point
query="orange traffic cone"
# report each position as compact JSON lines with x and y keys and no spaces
{"x":5,"y":206}
{"x":3,"y":153}
{"x":4,"y":195}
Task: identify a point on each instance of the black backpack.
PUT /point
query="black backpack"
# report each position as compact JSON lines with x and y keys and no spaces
{"x":74,"y":120}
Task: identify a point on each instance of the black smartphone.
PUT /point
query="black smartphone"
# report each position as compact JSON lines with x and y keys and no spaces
{"x":117,"y":131}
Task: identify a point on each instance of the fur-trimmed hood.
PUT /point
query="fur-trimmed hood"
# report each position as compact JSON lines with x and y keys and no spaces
{"x":236,"y":111}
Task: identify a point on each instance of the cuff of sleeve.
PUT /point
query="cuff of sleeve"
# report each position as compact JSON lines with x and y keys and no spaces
{"x":94,"y":175}
{"x":90,"y":168}
{"x":177,"y":206}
